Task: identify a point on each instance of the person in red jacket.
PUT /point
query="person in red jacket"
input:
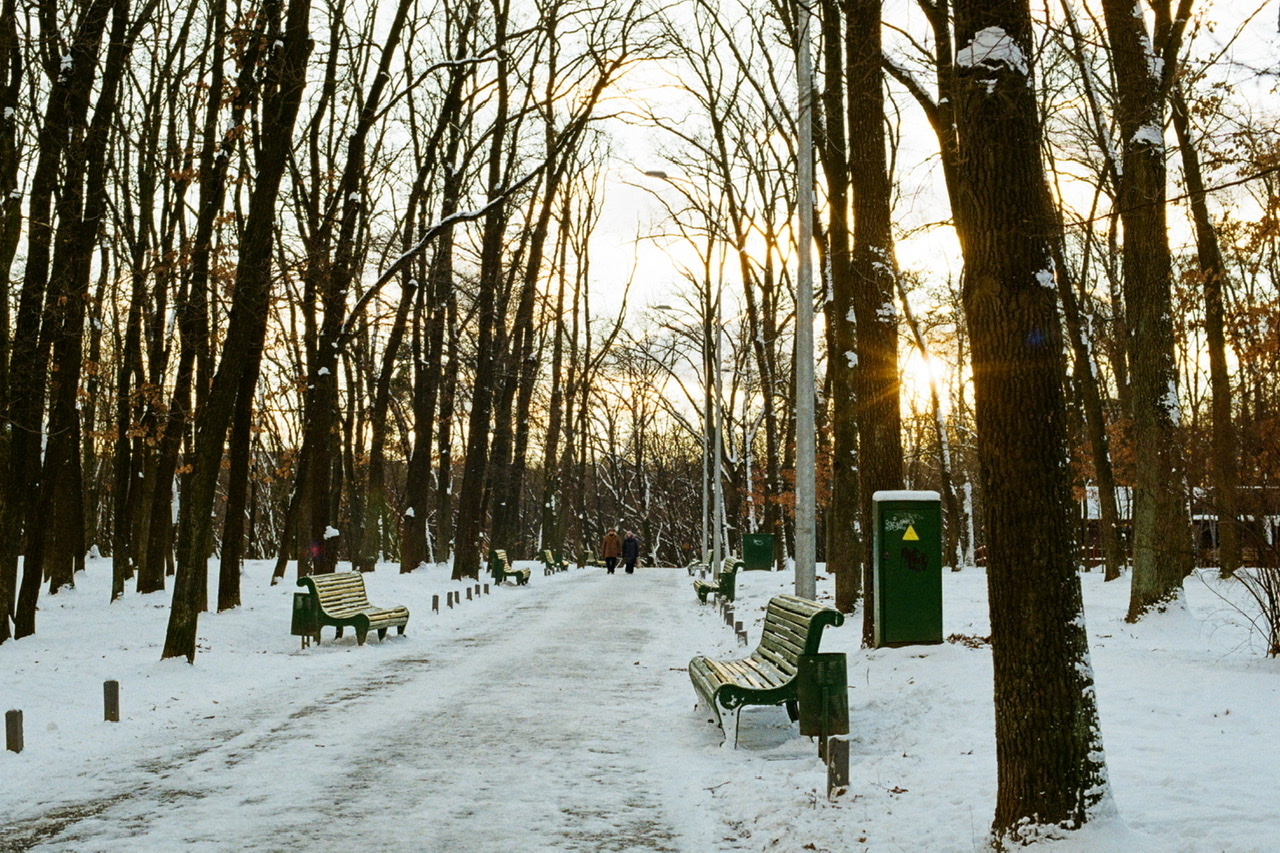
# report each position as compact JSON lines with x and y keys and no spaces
{"x":611,"y":549}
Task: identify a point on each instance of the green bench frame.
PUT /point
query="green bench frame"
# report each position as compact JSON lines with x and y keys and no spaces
{"x":339,"y":599}
{"x":550,"y":565}
{"x":500,"y":568}
{"x":589,"y":558}
{"x":697,"y":565}
{"x":792,"y":627}
{"x":725,"y":585}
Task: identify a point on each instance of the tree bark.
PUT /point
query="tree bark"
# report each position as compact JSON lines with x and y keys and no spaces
{"x":1048,"y":746}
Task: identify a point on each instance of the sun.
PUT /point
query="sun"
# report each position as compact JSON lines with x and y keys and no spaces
{"x":919,"y":375}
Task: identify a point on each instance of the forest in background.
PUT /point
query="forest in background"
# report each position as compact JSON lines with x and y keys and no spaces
{"x":321,"y":273}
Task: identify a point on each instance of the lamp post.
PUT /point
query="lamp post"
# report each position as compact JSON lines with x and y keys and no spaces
{"x":806,"y":461}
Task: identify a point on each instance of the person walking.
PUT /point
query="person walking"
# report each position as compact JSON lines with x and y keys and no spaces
{"x":630,"y":551}
{"x":611,"y":550}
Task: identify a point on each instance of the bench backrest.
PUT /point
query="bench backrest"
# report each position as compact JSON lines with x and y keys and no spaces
{"x":338,"y":591}
{"x":793,"y":627}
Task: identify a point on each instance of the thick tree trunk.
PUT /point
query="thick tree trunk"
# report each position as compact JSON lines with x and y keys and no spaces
{"x":874,"y":271}
{"x":1048,"y":747}
{"x":845,"y":555}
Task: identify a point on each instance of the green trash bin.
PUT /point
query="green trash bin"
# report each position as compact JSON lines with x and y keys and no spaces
{"x":757,"y":551}
{"x":907,"y":568}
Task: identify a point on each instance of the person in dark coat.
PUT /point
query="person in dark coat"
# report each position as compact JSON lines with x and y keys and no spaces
{"x":630,"y":551}
{"x":611,"y":549}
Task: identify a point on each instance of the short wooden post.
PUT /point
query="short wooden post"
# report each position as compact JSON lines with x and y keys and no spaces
{"x":742,"y":637}
{"x":468,"y":593}
{"x":477,"y":590}
{"x":837,"y":766}
{"x":13,"y":731}
{"x":435,"y":604}
{"x":486,"y":589}
{"x":450,"y":594}
{"x":737,"y":626}
{"x":111,"y":701}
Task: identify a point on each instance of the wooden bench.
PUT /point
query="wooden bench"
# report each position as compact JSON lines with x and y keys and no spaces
{"x":725,"y":585}
{"x":339,"y":599}
{"x":589,"y":558}
{"x":792,"y":627}
{"x":500,"y":568}
{"x":697,"y":565}
{"x":551,"y":565}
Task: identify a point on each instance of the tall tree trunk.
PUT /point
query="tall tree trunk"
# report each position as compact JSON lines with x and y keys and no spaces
{"x":1089,"y":394}
{"x":1162,"y":552}
{"x":471,"y":506}
{"x":844,"y":539}
{"x":1048,"y":748}
{"x":11,"y":69}
{"x":376,"y":508}
{"x":1226,"y":476}
{"x":874,"y":280}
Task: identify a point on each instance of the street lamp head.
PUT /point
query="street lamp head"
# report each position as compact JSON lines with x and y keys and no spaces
{"x":656,"y":173}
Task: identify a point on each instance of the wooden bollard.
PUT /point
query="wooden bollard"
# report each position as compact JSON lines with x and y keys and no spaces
{"x":468,"y":593}
{"x":111,"y":701}
{"x":13,"y":731}
{"x":837,"y":766}
{"x":742,"y":637}
{"x":435,"y":604}
{"x":486,"y":589}
{"x":477,"y":590}
{"x":450,"y":594}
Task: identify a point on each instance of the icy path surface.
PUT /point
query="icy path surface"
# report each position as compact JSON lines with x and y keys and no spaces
{"x":544,"y":725}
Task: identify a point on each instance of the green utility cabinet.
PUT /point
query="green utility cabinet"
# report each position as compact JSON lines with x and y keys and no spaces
{"x":907,"y":568}
{"x":757,"y":551}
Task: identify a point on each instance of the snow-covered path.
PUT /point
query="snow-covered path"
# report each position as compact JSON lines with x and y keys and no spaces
{"x":531,"y":728}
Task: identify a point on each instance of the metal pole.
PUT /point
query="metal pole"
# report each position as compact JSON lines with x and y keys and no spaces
{"x":718,"y":488}
{"x":806,"y":495}
{"x":708,"y":442}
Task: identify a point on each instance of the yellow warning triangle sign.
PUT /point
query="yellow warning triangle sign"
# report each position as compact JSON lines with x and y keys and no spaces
{"x":911,"y":535}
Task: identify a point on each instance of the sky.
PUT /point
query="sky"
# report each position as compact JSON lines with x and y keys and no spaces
{"x":559,"y":716}
{"x":920,"y":205}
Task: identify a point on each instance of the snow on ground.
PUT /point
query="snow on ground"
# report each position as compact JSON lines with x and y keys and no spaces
{"x":559,"y":716}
